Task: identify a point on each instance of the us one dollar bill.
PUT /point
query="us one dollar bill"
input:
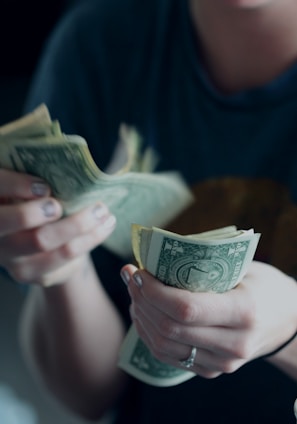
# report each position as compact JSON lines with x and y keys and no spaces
{"x":36,"y":145}
{"x":212,"y":261}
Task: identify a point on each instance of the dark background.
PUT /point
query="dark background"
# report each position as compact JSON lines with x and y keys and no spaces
{"x":24,"y":27}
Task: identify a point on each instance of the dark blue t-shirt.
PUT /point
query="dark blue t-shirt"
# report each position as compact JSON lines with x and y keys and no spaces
{"x":112,"y":61}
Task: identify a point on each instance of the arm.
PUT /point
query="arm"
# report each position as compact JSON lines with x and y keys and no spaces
{"x":71,"y":334}
{"x":69,"y":329}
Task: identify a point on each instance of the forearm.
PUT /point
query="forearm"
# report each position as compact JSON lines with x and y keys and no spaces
{"x":71,"y":335}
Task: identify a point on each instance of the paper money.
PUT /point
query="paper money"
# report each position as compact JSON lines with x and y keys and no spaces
{"x":35,"y":145}
{"x":211,"y":261}
{"x":40,"y":116}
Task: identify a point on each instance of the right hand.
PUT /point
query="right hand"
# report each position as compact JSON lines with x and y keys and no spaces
{"x":36,"y":245}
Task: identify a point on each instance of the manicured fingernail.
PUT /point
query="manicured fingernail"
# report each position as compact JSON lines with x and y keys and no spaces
{"x":49,"y":208}
{"x":125,"y":276}
{"x":39,"y":188}
{"x":137,"y":280}
{"x":99,"y":211}
{"x":109,"y":222}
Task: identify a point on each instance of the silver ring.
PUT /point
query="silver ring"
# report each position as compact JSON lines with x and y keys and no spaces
{"x":189,"y":362}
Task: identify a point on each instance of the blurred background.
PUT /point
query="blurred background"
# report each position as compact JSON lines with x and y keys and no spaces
{"x":25,"y":25}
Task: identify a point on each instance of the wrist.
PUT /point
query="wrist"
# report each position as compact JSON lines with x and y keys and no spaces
{"x":72,"y":271}
{"x":281,"y":347}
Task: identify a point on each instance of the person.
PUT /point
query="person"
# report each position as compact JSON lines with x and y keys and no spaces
{"x":211,"y":85}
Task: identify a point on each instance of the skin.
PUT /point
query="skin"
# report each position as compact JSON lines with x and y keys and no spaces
{"x":63,"y":329}
{"x":245,"y":43}
{"x":229,"y":329}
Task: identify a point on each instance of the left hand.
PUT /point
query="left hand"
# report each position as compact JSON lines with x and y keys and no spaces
{"x":228,"y":329}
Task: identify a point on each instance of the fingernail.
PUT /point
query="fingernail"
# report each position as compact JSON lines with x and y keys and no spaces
{"x":125,"y":276}
{"x":137,"y":280}
{"x":39,"y":188}
{"x":109,"y":222}
{"x":49,"y":208}
{"x":99,"y":211}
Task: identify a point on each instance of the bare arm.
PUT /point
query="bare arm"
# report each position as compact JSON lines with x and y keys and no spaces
{"x":71,"y":335}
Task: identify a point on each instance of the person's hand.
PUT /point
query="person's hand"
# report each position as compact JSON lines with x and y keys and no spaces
{"x":228,"y":329}
{"x":36,"y":245}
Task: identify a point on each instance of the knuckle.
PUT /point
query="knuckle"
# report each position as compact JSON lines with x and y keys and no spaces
{"x":248,"y":317}
{"x":81,"y":222}
{"x":244,"y":351}
{"x":247,"y":311}
{"x":186,"y":311}
{"x":169,"y":329}
{"x":40,"y":239}
{"x":228,"y":367}
{"x":240,"y":350}
{"x":68,"y":251}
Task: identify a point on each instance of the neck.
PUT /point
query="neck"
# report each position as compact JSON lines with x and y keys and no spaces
{"x":245,"y":47}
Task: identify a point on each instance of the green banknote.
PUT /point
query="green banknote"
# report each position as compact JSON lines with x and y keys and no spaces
{"x":133,"y":192}
{"x":211,"y":261}
{"x":38,"y":117}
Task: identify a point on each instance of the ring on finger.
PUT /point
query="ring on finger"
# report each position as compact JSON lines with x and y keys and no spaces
{"x":189,"y":362}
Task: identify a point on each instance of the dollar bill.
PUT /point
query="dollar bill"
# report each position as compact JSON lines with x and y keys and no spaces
{"x":39,"y":116}
{"x":212,"y":261}
{"x":133,"y":192}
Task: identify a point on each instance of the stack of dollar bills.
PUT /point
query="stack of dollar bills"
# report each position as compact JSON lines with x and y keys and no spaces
{"x":36,"y":145}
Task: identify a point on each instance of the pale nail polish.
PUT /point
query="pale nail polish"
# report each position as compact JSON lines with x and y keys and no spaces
{"x":99,"y":211}
{"x":137,"y":279}
{"x":109,"y":222}
{"x":39,"y":188}
{"x":49,"y":208}
{"x":125,"y":276}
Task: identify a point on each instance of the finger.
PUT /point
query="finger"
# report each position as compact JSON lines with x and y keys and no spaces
{"x":224,"y":341}
{"x":30,"y":269}
{"x":214,"y":363}
{"x":167,"y":335}
{"x":162,"y":325}
{"x":95,"y":218}
{"x":207,"y":363}
{"x":26,"y":215}
{"x":205,"y":309}
{"x":55,"y":234}
{"x":16,"y":185}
